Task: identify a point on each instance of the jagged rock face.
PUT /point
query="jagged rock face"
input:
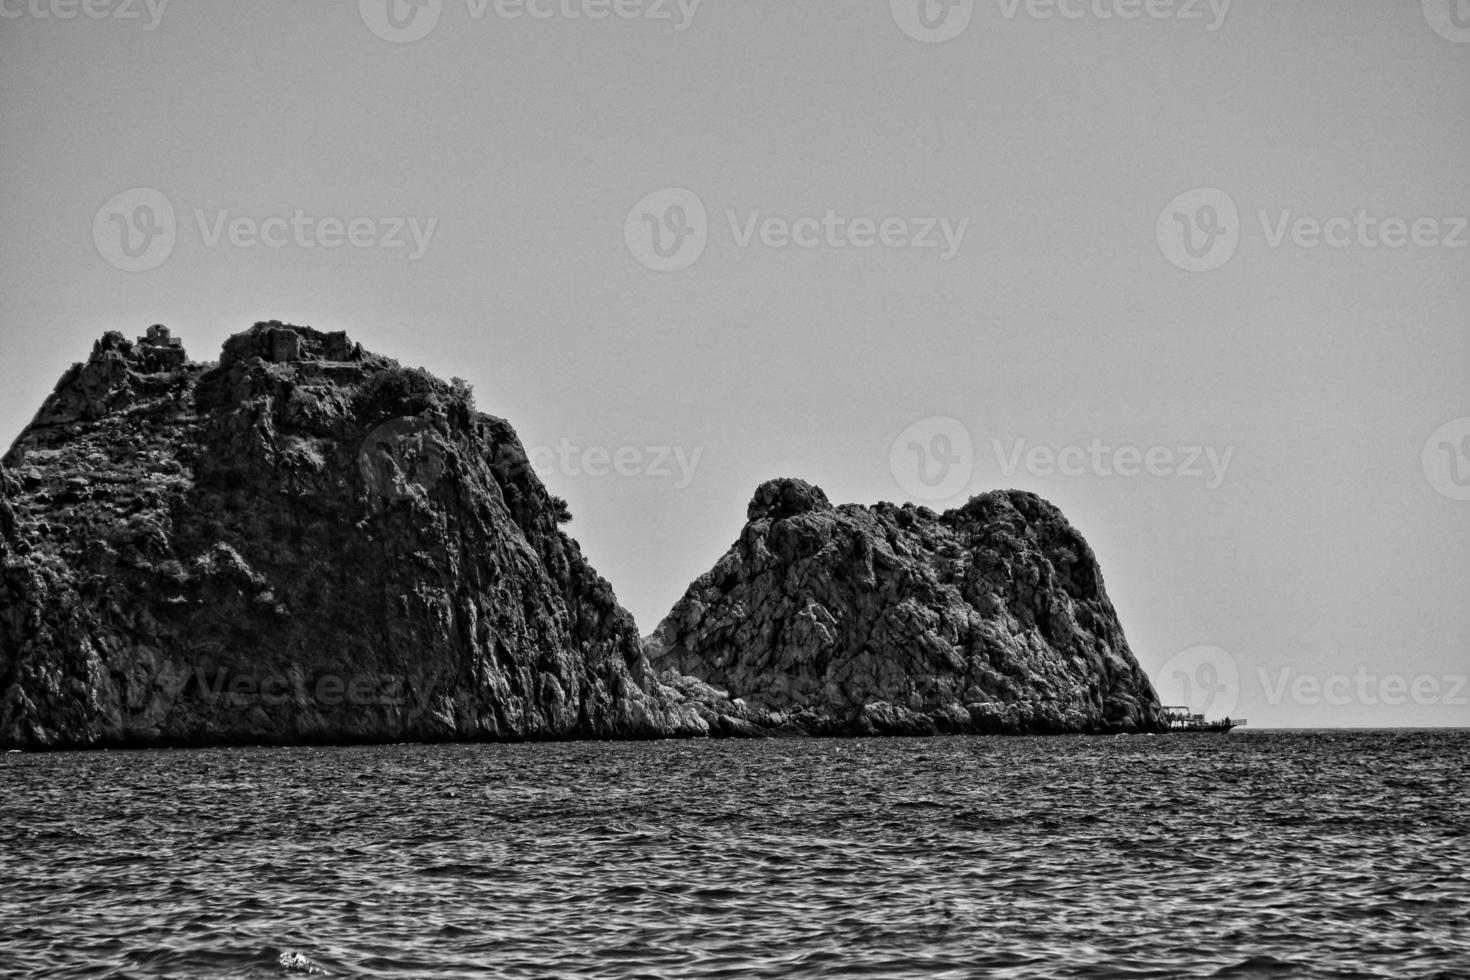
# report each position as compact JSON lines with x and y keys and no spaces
{"x":304,"y":542}
{"x":886,"y":619}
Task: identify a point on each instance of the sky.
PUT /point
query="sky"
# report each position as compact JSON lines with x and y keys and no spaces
{"x":1195,"y":272}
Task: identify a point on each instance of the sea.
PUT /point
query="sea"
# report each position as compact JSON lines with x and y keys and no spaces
{"x":1279,"y":854}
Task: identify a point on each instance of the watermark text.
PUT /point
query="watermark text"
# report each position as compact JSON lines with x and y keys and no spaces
{"x":88,"y":9}
{"x":568,"y":459}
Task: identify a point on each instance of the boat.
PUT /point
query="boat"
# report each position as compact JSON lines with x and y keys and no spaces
{"x":1180,"y":718}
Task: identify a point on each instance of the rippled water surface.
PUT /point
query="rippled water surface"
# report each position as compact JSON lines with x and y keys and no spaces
{"x":1273,"y":854}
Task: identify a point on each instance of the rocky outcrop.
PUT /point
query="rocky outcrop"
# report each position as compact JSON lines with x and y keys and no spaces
{"x":897,"y":620}
{"x":304,"y":542}
{"x":308,"y":542}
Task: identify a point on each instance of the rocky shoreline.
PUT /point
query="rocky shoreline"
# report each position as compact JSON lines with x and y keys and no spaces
{"x":309,"y":543}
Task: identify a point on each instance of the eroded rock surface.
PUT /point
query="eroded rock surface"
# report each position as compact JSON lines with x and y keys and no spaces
{"x":894,"y":619}
{"x":304,"y":542}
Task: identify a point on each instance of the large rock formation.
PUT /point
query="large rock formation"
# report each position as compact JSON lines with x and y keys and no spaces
{"x":305,"y":542}
{"x":887,"y":619}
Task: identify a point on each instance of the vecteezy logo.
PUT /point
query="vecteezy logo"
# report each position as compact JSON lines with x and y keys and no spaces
{"x":933,"y":459}
{"x":1446,"y":459}
{"x":668,"y":230}
{"x":1199,"y":230}
{"x":1449,"y":18}
{"x":401,"y":458}
{"x":1206,"y":679}
{"x":400,"y":21}
{"x":932,"y":21}
{"x":136,"y":230}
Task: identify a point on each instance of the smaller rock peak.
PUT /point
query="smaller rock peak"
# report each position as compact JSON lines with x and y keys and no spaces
{"x":284,"y":343}
{"x":112,"y":340}
{"x":785,"y":497}
{"x":990,"y":506}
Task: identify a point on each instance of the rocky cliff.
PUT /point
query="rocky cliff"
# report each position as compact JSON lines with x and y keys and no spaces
{"x":897,"y":620}
{"x":308,"y":542}
{"x":304,"y":542}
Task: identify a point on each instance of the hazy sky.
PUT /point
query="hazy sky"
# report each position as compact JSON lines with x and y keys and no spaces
{"x":978,"y":275}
